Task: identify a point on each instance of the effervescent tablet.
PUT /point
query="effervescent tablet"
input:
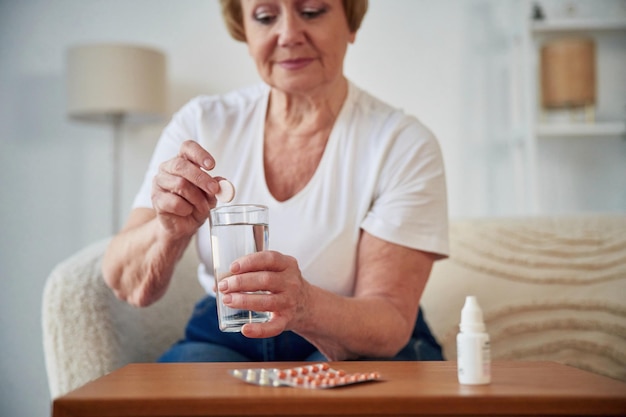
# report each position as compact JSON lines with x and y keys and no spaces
{"x":226,"y":192}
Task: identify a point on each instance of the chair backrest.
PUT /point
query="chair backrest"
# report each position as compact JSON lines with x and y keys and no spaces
{"x":88,"y":332}
{"x":551,"y":289}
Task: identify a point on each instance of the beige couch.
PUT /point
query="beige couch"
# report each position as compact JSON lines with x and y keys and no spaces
{"x":550,"y":289}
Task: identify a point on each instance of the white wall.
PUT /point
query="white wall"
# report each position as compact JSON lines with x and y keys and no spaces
{"x":56,"y":175}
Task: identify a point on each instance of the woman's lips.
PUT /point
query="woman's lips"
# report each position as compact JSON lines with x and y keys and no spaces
{"x":294,"y":64}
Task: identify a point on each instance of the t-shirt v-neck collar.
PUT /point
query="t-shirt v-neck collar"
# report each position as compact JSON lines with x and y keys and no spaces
{"x":335,"y":134}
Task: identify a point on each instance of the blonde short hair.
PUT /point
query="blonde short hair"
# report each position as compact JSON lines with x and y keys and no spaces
{"x":233,"y":16}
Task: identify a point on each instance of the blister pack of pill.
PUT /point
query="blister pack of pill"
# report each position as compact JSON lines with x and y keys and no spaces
{"x":319,"y":375}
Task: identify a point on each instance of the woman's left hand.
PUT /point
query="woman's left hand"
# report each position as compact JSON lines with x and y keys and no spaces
{"x":285,"y":291}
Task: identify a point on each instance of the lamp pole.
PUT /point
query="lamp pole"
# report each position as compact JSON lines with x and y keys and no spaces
{"x":117,"y":121}
{"x":113,"y":82}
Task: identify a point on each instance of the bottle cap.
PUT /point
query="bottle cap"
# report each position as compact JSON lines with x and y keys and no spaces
{"x":472,"y":316}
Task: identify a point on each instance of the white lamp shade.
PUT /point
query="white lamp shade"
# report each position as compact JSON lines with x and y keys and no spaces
{"x":114,"y":80}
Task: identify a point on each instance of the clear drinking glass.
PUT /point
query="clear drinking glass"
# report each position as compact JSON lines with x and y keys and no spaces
{"x":237,"y":230}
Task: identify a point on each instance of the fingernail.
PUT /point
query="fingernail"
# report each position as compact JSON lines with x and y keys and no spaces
{"x":222,"y":285}
{"x":226,"y":298}
{"x":235,"y":267}
{"x":208,"y":163}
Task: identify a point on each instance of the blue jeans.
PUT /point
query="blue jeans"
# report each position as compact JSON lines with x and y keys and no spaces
{"x":204,"y":342}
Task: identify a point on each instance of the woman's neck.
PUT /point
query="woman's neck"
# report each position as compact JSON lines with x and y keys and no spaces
{"x":304,"y":114}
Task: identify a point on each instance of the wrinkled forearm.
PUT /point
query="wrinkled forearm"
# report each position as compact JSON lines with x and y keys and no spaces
{"x":139,"y":263}
{"x":344,"y":328}
{"x":377,"y":322}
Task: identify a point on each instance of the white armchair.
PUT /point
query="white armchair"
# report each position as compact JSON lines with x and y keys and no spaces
{"x":88,"y":332}
{"x":550,"y":289}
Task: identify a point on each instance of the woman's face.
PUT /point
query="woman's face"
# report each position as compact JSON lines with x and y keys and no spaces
{"x":297,"y":45}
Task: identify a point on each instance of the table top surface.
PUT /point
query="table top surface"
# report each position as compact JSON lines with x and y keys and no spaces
{"x":406,"y":388}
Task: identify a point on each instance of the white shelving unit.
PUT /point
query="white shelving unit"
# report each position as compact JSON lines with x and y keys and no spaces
{"x":547,"y":141}
{"x":603,"y":129}
{"x":577,"y":25}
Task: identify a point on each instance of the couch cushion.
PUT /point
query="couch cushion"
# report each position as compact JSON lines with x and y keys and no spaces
{"x":550,"y":289}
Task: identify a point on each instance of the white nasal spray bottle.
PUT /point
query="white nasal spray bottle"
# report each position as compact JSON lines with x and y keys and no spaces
{"x":472,"y":345}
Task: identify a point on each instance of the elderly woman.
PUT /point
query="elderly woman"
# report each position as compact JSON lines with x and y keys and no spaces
{"x":355,"y":188}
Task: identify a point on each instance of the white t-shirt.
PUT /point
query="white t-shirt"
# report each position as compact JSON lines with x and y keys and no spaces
{"x":382,"y":171}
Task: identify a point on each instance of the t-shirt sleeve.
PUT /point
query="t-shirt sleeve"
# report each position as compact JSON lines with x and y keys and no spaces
{"x":410,"y":205}
{"x":180,"y":129}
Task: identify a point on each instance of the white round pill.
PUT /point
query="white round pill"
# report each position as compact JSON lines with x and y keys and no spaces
{"x":226,"y":192}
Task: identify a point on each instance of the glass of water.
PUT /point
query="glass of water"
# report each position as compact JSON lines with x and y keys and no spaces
{"x":237,"y":230}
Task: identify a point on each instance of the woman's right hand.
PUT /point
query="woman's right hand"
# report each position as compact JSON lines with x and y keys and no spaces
{"x":182,"y":192}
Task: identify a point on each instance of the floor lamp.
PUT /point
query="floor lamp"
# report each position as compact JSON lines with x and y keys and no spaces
{"x":115,"y":84}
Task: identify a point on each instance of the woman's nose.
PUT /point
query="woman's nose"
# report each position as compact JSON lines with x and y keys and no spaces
{"x":290,"y":30}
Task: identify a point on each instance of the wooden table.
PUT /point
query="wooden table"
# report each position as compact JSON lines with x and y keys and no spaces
{"x":408,"y":389}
